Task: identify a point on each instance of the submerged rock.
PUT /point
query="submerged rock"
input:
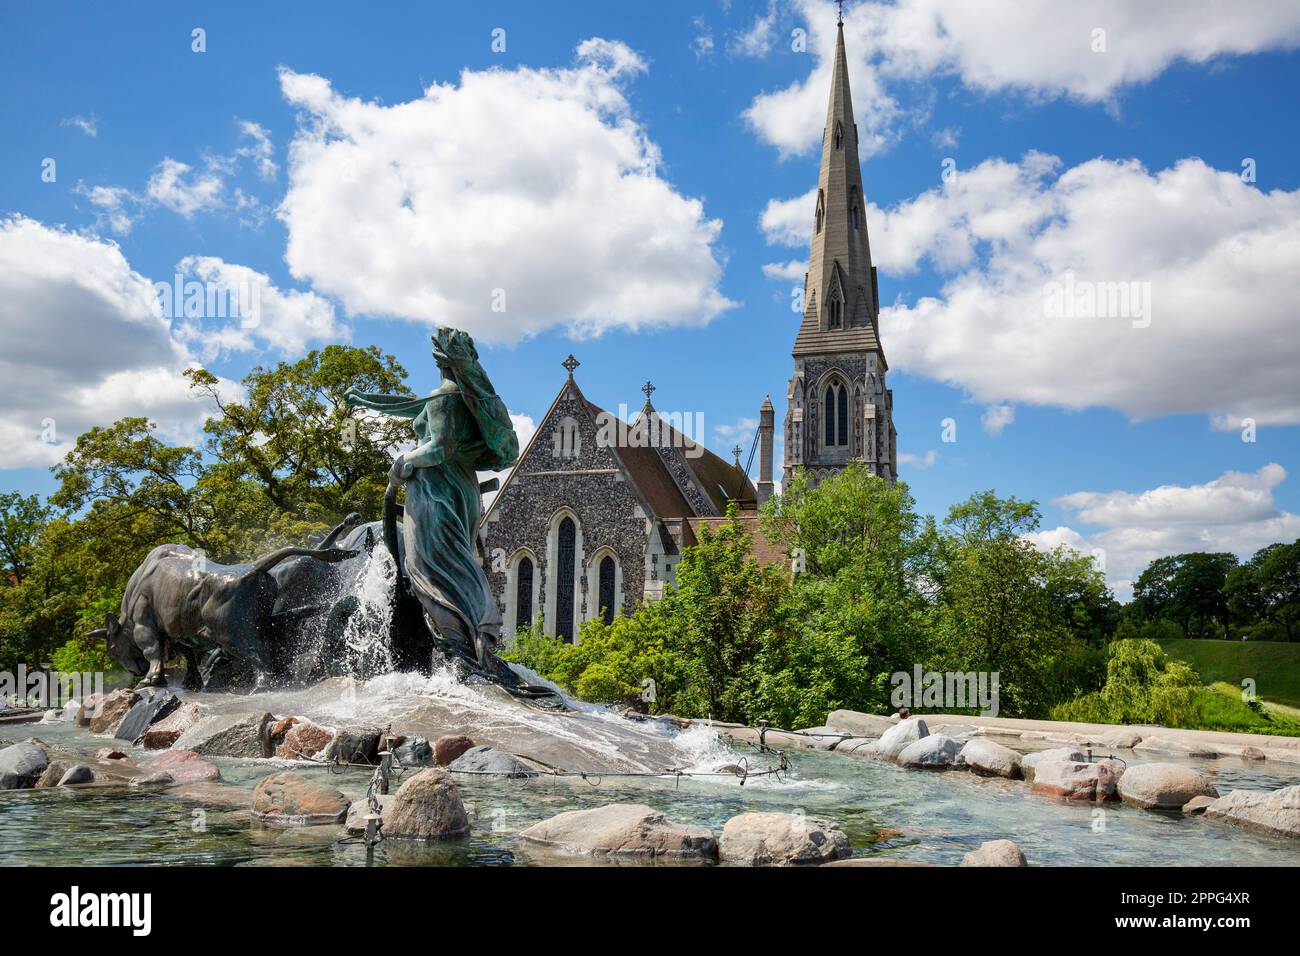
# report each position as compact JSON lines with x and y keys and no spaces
{"x":51,"y":776}
{"x":304,"y":741}
{"x":622,"y":830}
{"x":449,"y":748}
{"x":1078,"y":781}
{"x":21,"y":766}
{"x":158,"y":778}
{"x":291,"y":800}
{"x":184,"y":766}
{"x":113,"y":710}
{"x":427,"y":806}
{"x":781,"y":839}
{"x":984,"y":756}
{"x":1030,"y":761}
{"x":1196,"y":806}
{"x":933,"y":752}
{"x":489,"y":761}
{"x":900,"y":736}
{"x":1163,"y":786}
{"x":995,"y":853}
{"x":165,"y":732}
{"x":77,"y":773}
{"x":229,"y":735}
{"x":1276,"y":811}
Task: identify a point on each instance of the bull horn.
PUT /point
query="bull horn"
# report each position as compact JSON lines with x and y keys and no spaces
{"x":332,"y":555}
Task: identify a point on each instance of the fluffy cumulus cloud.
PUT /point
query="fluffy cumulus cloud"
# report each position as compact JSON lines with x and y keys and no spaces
{"x":182,"y":189}
{"x":1103,"y":285}
{"x":83,"y":341}
{"x":510,"y":202}
{"x":1125,"y":531}
{"x":1041,"y":50}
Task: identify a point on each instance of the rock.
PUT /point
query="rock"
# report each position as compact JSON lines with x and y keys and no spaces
{"x":304,"y":741}
{"x":185,"y":766}
{"x":78,"y":773}
{"x":1163,"y":786}
{"x":110,"y":753}
{"x":1251,"y":753}
{"x":415,"y":752}
{"x":89,"y":708}
{"x":1031,"y":760}
{"x":899,"y":736}
{"x":1124,"y":738}
{"x":995,"y":853}
{"x":355,"y":746}
{"x":858,"y":747}
{"x":427,"y":806}
{"x":213,"y":794}
{"x":986,"y":757}
{"x":1276,"y":811}
{"x":933,"y":752}
{"x":158,"y":778}
{"x":859,"y":724}
{"x":360,"y":809}
{"x":21,"y":766}
{"x":1077,"y":781}
{"x":144,"y":713}
{"x":488,"y":761}
{"x":1196,"y":806}
{"x":291,"y":800}
{"x":781,"y":839}
{"x":1175,"y":747}
{"x":167,"y":731}
{"x":51,"y":776}
{"x":229,"y":735}
{"x":449,"y":748}
{"x":622,"y":829}
{"x":113,"y":710}
{"x":281,"y":727}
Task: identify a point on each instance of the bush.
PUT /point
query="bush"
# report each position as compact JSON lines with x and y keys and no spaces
{"x":1143,"y":686}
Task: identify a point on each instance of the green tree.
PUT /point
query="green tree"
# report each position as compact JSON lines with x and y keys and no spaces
{"x":1187,"y":589}
{"x":1143,"y":686}
{"x":1267,"y":588}
{"x":22,"y":519}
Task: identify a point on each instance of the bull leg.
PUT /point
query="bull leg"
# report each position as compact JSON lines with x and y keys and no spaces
{"x":153,"y":648}
{"x":193,"y":679}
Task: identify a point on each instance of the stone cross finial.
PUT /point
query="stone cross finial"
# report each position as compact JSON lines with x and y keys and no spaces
{"x":736,"y":451}
{"x":570,"y":364}
{"x":840,"y":4}
{"x":649,"y":390}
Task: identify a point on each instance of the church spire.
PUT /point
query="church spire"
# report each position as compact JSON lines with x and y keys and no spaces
{"x":840,"y":303}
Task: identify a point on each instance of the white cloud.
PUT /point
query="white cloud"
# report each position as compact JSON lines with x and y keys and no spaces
{"x":1042,"y":50}
{"x":260,"y":151}
{"x":906,"y":459}
{"x":82,"y":342}
{"x":87,"y":124}
{"x":175,"y":185}
{"x":788,"y":222}
{"x":759,"y":38}
{"x":1213,"y":257}
{"x":1235,"y":512}
{"x":254,"y":312}
{"x":118,"y":207}
{"x":702,"y":45}
{"x":790,"y":271}
{"x":532,"y":189}
{"x":996,"y":418}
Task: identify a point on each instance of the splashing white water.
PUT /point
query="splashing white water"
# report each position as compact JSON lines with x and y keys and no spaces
{"x":367,"y":637}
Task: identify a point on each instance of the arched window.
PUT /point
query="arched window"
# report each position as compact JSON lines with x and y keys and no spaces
{"x":565,"y":556}
{"x":839,"y":135}
{"x":820,"y":211}
{"x":842,"y":416}
{"x":836,"y":408}
{"x":835,"y":312}
{"x":607,"y":569}
{"x":830,"y":414}
{"x":567,"y":443}
{"x":854,"y":216}
{"x":524,"y":593}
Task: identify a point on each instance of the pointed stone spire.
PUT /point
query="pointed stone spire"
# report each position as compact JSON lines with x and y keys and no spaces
{"x":840,"y":302}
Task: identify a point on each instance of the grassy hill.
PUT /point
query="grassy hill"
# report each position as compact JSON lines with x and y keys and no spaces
{"x":1274,"y":667}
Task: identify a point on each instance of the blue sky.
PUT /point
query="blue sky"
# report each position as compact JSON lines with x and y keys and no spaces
{"x":624,"y":172}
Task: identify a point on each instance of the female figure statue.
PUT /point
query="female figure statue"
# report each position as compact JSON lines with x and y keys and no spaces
{"x":462,"y":427}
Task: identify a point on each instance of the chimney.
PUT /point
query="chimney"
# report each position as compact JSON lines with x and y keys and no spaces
{"x":766,"y":428}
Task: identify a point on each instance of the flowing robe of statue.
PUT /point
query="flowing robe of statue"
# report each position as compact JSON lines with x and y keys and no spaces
{"x":462,"y":427}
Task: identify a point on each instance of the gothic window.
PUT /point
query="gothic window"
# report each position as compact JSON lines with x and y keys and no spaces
{"x":524,"y":593}
{"x":566,"y":555}
{"x":839,"y":135}
{"x":835,"y":312}
{"x":836,"y":414}
{"x":854,"y":216}
{"x":607,"y":589}
{"x":567,"y":444}
{"x":820,"y":211}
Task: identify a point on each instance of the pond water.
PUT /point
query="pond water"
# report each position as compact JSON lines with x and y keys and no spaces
{"x":933,"y":817}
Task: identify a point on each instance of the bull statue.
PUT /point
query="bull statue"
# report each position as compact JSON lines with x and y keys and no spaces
{"x":178,"y":600}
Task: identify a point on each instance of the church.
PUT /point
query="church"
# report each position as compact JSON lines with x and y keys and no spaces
{"x":596,"y":514}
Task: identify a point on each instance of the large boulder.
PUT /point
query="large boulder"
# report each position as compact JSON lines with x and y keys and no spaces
{"x":144,"y":713}
{"x":449,"y":748}
{"x":622,"y":830}
{"x":898,"y":737}
{"x":1125,"y":738}
{"x":1078,"y":781}
{"x":51,"y":776}
{"x":229,"y":735}
{"x":933,"y":752}
{"x":858,"y":747}
{"x":1175,"y":747}
{"x":21,"y":766}
{"x":1276,"y":811}
{"x":1163,"y":786}
{"x":355,"y":745}
{"x":291,"y":800}
{"x":113,"y":710}
{"x":427,"y":806}
{"x":165,"y":732}
{"x":415,"y":752}
{"x":1030,"y":761}
{"x":859,"y":724}
{"x":487,"y":761}
{"x":184,"y":766}
{"x":984,"y":756}
{"x":781,"y":839}
{"x":995,"y":853}
{"x":77,"y":774}
{"x":304,"y":741}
